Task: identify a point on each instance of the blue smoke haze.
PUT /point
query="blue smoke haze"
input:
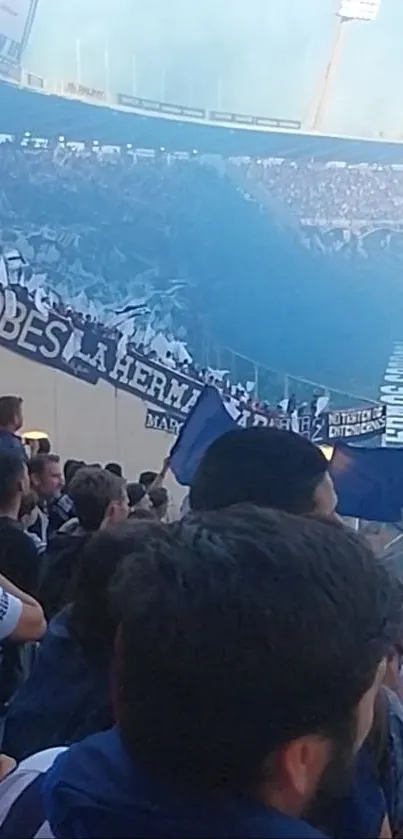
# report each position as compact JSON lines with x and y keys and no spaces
{"x":258,"y":56}
{"x":312,"y":315}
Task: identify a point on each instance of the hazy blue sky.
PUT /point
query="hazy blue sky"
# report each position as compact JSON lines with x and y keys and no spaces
{"x":256,"y":56}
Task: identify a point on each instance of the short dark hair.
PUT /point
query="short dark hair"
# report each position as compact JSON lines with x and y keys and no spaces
{"x":242,"y":630}
{"x":115,"y":468}
{"x":38,"y":464}
{"x":70,"y":468}
{"x":147,"y":478}
{"x":12,"y":468}
{"x":10,"y":407}
{"x":91,"y":619}
{"x":159,"y":497}
{"x":263,"y":466}
{"x":92,"y":490}
{"x":44,"y":446}
{"x":135,"y":492}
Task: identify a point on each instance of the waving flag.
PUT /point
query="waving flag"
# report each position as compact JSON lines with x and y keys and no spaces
{"x":206,"y":422}
{"x":369,"y":482}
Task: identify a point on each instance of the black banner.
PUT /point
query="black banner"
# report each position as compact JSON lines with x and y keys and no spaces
{"x":46,"y":339}
{"x":249,"y":119}
{"x":162,"y":421}
{"x":139,"y":103}
{"x":363,"y":423}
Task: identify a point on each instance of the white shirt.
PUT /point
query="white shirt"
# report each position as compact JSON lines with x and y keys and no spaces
{"x":14,"y":784}
{"x":10,"y":613}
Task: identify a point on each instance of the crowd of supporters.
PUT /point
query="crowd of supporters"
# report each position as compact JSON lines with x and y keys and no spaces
{"x":320,"y":192}
{"x":234,"y":671}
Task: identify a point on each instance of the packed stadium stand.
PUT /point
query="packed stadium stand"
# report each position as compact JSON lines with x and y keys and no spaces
{"x":253,"y":239}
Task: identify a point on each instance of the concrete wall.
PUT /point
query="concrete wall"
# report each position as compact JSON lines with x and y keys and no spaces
{"x":94,"y":422}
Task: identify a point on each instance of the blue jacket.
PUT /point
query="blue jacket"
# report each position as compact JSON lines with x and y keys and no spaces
{"x":94,"y":790}
{"x":65,"y":698}
{"x":10,"y":442}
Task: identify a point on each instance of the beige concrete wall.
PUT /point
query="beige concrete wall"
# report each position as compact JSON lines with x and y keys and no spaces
{"x":94,"y":422}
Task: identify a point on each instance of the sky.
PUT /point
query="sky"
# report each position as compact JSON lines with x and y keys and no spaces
{"x":264,"y":57}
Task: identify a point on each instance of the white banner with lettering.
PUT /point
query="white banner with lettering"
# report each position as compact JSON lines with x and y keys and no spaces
{"x":392,"y":397}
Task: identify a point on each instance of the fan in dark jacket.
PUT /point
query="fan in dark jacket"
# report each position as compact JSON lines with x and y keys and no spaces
{"x":99,"y":498}
{"x":67,"y":695}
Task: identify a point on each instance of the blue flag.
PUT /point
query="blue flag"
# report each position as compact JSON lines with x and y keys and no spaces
{"x":369,"y":482}
{"x":206,"y":422}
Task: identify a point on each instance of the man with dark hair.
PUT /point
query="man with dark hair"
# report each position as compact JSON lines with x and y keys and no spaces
{"x":19,"y":559}
{"x":115,"y":469}
{"x":11,"y":420}
{"x":251,"y":648}
{"x":147,"y":479}
{"x":160,"y":500}
{"x":98,"y":497}
{"x":267,"y":467}
{"x":46,"y":476}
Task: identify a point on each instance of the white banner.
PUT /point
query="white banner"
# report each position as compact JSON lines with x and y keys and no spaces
{"x":16,"y":18}
{"x":359,"y":9}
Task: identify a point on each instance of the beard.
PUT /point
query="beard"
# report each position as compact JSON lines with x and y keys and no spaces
{"x":335,"y":783}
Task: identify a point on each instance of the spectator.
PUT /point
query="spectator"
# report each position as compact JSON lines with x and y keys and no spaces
{"x":67,"y":696}
{"x":44,"y":446}
{"x":28,"y":514}
{"x":148,"y":478}
{"x":99,"y":498}
{"x":138,"y":498}
{"x":61,"y":510}
{"x":46,"y":476}
{"x":19,"y":560}
{"x":233,"y":719}
{"x":267,"y":467}
{"x":115,"y":468}
{"x":160,"y":500}
{"x":11,"y":420}
{"x":46,"y":480}
{"x":273,"y":468}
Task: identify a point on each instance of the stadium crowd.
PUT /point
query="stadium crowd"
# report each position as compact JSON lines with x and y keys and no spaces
{"x":129,"y":283}
{"x":193,"y":677}
{"x":235,"y":669}
{"x":323,"y":192}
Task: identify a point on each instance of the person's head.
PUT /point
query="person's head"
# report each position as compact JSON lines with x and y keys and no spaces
{"x":99,"y":497}
{"x":159,"y":499}
{"x":70,"y":468}
{"x":138,"y":497}
{"x":14,"y":482}
{"x":92,"y":620}
{"x":267,"y":467}
{"x":28,"y":509}
{"x":147,"y":479}
{"x":45,"y":472}
{"x":44,"y":446}
{"x":115,"y":468}
{"x":252,"y":645}
{"x":11,"y":418}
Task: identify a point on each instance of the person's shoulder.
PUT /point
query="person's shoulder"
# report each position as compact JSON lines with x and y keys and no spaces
{"x":20,"y":787}
{"x":12,"y":536}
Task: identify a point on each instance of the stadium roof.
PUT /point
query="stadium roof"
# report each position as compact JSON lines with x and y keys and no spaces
{"x":46,"y":115}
